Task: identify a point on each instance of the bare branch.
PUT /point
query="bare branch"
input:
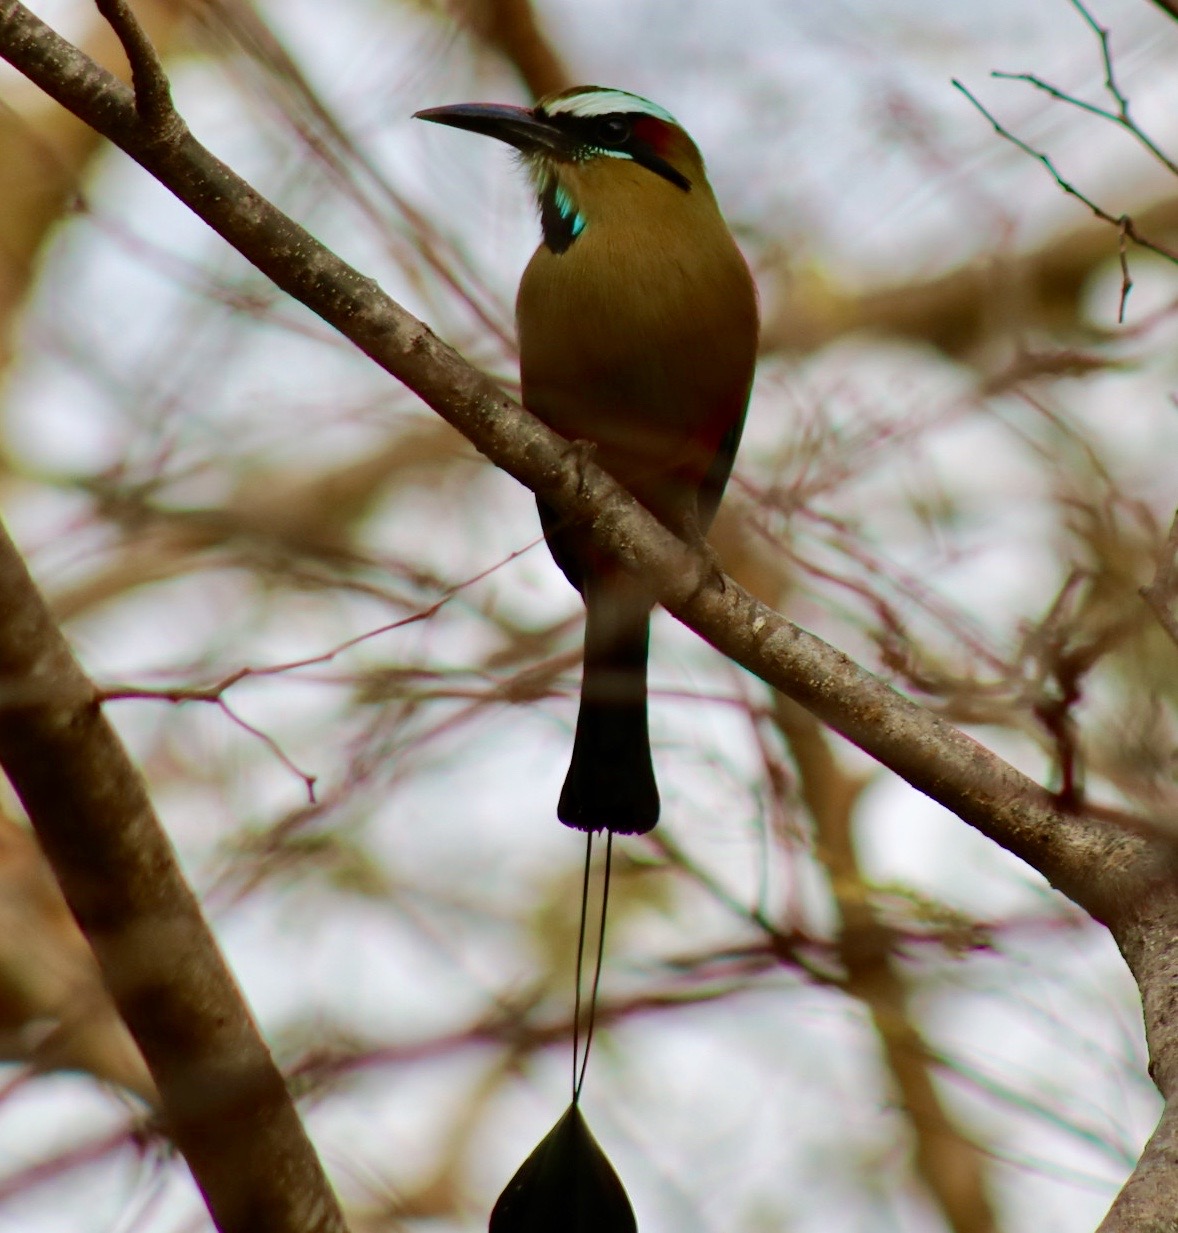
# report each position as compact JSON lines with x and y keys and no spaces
{"x":224,"y":1100}
{"x":955,"y":311}
{"x":1146,"y":1204}
{"x":1120,"y":117}
{"x":1162,"y":593}
{"x":1122,"y":221}
{"x":153,"y":94}
{"x":1126,"y":277}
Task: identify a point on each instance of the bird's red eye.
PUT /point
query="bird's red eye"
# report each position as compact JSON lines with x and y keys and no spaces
{"x":613,"y":130}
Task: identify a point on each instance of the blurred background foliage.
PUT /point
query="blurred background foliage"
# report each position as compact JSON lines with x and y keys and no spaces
{"x":349,"y":671}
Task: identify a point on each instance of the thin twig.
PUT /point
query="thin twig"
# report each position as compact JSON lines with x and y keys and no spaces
{"x":215,"y":693}
{"x":1117,"y":220}
{"x":1162,"y":592}
{"x":153,"y":93}
{"x":1120,"y":117}
{"x":1110,"y":81}
{"x":274,"y":747}
{"x":212,"y":693}
{"x":1126,"y":277}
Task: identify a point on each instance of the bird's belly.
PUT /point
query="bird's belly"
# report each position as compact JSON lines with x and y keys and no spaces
{"x":648,"y":354}
{"x":651,"y":405}
{"x":657,"y":447}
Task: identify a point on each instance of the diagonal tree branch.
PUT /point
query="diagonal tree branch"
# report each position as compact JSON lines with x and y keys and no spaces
{"x":934,"y":757}
{"x":1146,"y":1205}
{"x":223,"y":1098}
{"x":1149,"y":1199}
{"x":1112,"y":867}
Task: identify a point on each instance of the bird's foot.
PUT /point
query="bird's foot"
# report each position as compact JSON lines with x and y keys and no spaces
{"x":582,"y":453}
{"x":710,"y":569}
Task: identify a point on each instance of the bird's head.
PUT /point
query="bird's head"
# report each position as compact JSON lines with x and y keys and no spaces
{"x":592,"y":152}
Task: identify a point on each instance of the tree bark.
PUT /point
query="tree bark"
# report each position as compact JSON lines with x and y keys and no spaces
{"x":223,"y":1099}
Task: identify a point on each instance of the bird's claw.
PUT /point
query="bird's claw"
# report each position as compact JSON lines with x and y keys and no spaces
{"x":582,"y":453}
{"x":710,"y":569}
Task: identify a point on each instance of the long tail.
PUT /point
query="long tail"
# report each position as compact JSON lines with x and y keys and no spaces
{"x":610,"y":784}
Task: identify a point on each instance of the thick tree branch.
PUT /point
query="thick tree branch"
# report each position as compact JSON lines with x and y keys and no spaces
{"x":224,"y":1100}
{"x":1148,"y":1202}
{"x":1116,"y":872}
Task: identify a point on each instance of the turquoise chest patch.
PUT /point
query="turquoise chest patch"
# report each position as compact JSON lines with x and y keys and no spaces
{"x":560,"y":219}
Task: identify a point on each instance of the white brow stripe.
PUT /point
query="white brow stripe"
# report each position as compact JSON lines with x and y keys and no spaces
{"x":605,"y":103}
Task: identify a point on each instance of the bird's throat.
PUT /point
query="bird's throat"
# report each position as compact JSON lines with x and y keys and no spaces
{"x":560,"y":217}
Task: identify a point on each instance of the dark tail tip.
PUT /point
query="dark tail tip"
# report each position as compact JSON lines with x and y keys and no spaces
{"x":610,"y":785}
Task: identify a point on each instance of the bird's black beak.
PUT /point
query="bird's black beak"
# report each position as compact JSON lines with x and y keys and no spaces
{"x":528,"y":131}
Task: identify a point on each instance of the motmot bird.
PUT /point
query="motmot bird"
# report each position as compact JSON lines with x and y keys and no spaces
{"x":637,"y":322}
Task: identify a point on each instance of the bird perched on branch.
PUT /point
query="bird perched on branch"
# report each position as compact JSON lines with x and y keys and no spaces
{"x":637,"y":321}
